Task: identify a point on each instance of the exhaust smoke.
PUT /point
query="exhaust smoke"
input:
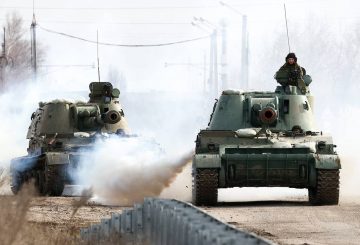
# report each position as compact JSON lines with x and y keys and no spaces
{"x":125,"y":170}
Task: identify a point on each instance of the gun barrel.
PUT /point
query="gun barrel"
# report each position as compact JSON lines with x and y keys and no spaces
{"x":112,"y":117}
{"x":268,"y":115}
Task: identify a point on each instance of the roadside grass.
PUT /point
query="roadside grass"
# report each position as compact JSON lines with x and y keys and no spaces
{"x":16,"y":229}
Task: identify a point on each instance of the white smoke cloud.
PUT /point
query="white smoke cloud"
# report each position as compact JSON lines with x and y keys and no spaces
{"x":17,"y":105}
{"x":125,"y":170}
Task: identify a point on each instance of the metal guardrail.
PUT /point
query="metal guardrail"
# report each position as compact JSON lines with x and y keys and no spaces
{"x":165,"y":222}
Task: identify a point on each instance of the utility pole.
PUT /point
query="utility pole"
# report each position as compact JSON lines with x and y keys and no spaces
{"x":244,"y":69}
{"x":244,"y":54}
{"x":224,"y":80}
{"x":211,"y":65}
{"x":33,"y":47}
{"x":204,"y":67}
{"x":215,"y":63}
{"x":213,"y":82}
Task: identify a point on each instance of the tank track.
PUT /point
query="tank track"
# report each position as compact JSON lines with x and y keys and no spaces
{"x":326,"y":191}
{"x":16,"y":181}
{"x":205,"y":187}
{"x":54,"y":180}
{"x":49,"y":182}
{"x":39,"y":182}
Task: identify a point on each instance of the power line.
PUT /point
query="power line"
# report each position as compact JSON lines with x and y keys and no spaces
{"x":122,"y":45}
{"x":109,"y":23}
{"x":71,"y":65}
{"x":101,"y":9}
{"x":247,"y":2}
{"x":116,"y":23}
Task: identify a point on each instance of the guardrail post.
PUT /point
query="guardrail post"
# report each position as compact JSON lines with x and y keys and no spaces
{"x":126,"y":221}
{"x":170,"y":225}
{"x":105,"y":228}
{"x":115,"y":223}
{"x":138,"y":223}
{"x":147,"y":220}
{"x":84,"y":233}
{"x":94,"y":232}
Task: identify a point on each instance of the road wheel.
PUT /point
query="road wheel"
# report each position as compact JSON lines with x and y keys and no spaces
{"x":40,"y":182}
{"x":326,"y":191}
{"x":205,"y":187}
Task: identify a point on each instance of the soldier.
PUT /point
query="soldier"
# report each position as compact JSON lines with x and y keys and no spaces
{"x":291,"y":73}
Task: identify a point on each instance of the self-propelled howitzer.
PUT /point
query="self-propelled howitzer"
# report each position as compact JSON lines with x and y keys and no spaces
{"x":60,"y":134}
{"x":265,"y":139}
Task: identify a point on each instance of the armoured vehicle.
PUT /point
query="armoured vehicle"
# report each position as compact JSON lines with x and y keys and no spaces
{"x":265,"y":139}
{"x":61,"y":132}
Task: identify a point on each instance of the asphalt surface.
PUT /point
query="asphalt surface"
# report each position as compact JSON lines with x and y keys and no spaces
{"x":294,"y":222}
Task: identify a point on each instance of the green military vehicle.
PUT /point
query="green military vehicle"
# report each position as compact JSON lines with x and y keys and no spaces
{"x":265,"y":139}
{"x":61,"y":132}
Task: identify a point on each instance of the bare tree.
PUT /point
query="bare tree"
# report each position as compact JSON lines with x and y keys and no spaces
{"x":16,"y":62}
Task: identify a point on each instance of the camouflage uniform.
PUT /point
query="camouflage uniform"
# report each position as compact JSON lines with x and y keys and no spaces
{"x":291,"y":74}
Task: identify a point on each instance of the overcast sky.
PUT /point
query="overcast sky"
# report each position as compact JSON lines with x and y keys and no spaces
{"x":159,"y":21}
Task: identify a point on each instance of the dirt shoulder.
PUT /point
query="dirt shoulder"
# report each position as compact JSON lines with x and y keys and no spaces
{"x":294,"y":222}
{"x":47,"y":220}
{"x":59,"y":211}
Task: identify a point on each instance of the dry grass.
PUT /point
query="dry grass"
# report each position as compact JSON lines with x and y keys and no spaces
{"x":2,"y":178}
{"x":24,"y":218}
{"x":15,"y":229}
{"x":18,"y":226}
{"x":86,"y":194}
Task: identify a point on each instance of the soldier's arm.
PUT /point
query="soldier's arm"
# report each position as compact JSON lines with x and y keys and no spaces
{"x":282,"y":75}
{"x":300,"y":69}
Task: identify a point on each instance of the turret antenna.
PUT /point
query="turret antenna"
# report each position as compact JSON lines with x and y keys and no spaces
{"x":97,"y":48}
{"x":287,"y":29}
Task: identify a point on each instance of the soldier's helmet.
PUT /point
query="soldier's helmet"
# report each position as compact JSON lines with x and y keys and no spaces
{"x":291,"y":55}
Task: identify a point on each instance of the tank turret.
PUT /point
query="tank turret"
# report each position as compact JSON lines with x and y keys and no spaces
{"x":107,"y":97}
{"x":277,"y":110}
{"x":265,"y":139}
{"x":60,"y":131}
